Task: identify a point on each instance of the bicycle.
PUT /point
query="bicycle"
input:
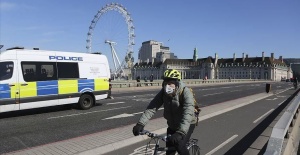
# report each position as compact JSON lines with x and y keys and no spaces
{"x":191,"y":145}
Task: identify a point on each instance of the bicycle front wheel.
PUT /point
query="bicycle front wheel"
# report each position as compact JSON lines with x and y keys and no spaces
{"x":194,"y":150}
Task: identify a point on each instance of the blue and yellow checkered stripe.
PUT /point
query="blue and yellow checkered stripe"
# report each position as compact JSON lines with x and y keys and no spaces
{"x":42,"y":88}
{"x":4,"y":91}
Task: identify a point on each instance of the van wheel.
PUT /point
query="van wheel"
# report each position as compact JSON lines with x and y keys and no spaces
{"x":85,"y":102}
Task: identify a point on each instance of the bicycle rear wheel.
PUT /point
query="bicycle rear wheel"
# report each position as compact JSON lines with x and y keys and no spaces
{"x":194,"y":150}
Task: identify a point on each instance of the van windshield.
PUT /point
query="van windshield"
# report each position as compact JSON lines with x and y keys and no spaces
{"x":6,"y":70}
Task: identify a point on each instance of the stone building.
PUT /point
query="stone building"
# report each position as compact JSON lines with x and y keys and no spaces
{"x":294,"y":63}
{"x":154,"y":51}
{"x":246,"y":67}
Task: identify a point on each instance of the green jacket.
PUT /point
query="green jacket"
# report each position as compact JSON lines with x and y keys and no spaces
{"x":178,"y":116}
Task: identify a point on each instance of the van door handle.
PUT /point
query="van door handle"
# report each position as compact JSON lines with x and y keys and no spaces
{"x":24,"y":84}
{"x":11,"y":85}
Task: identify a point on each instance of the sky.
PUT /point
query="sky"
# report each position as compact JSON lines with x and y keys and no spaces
{"x":212,"y":26}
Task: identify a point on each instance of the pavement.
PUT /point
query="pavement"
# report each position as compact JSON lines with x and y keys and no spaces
{"x":110,"y":140}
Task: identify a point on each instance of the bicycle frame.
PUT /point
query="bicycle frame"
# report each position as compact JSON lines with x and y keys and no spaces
{"x":157,"y":138}
{"x":192,"y":142}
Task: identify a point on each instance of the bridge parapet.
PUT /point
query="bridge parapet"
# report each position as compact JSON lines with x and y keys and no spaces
{"x":133,"y":83}
{"x":281,"y":133}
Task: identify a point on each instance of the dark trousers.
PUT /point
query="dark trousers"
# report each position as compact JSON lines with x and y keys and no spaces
{"x":181,"y":146}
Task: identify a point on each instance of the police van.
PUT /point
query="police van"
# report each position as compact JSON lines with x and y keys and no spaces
{"x":37,"y":78}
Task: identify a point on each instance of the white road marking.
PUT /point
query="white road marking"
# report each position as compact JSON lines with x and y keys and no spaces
{"x":283,"y":91}
{"x":213,"y":94}
{"x":114,"y":103}
{"x":142,"y":99}
{"x":272,"y":99}
{"x":88,"y":112}
{"x":225,"y":87}
{"x":125,"y":115}
{"x":235,"y":90}
{"x":221,"y":145}
{"x":119,"y":116}
{"x":137,"y":113}
{"x":267,"y":113}
{"x":208,"y":89}
{"x":281,"y":102}
{"x":146,"y":149}
{"x":280,"y":96}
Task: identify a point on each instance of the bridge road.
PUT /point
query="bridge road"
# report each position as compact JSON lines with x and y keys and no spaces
{"x":23,"y":130}
{"x":233,"y":132}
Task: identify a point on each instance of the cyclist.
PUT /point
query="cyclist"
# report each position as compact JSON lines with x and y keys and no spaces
{"x":180,"y":116}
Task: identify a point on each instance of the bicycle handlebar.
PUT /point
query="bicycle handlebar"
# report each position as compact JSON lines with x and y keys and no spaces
{"x":191,"y":142}
{"x":153,"y":135}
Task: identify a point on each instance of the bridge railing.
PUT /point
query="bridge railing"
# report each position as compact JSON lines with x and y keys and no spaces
{"x":281,"y":129}
{"x":134,"y":83}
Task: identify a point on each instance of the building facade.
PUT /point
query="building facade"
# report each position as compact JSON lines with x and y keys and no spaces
{"x":295,"y":66}
{"x":151,"y":51}
{"x":268,"y":68}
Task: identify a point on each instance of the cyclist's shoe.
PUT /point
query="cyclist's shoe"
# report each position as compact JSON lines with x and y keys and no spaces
{"x":137,"y":129}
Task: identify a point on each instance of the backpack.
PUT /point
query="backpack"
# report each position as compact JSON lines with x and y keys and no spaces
{"x":196,"y":106}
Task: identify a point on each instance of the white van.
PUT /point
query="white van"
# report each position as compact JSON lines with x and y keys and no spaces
{"x":36,"y":78}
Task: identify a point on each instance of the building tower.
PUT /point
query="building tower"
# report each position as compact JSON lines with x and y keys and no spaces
{"x":195,"y":56}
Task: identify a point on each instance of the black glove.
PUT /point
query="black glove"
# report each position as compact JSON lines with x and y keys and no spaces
{"x":137,"y":129}
{"x":176,"y":137}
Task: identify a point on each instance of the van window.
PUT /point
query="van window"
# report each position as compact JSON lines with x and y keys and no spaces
{"x":67,"y":70}
{"x":6,"y":70}
{"x":39,"y":71}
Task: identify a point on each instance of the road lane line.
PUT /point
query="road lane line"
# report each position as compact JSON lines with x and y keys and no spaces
{"x":281,"y":96}
{"x":207,"y":89}
{"x":143,"y":111}
{"x":114,"y":103}
{"x":267,"y":113}
{"x":213,"y":94}
{"x":221,"y":145}
{"x":282,"y":102}
{"x":137,"y":113}
{"x":226,"y":87}
{"x":88,"y":112}
{"x":125,"y":115}
{"x":283,"y":91}
{"x":272,"y":99}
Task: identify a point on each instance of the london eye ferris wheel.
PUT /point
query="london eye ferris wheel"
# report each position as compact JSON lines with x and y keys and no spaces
{"x":114,"y":35}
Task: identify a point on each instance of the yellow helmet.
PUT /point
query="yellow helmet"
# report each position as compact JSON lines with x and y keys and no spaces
{"x":172,"y":74}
